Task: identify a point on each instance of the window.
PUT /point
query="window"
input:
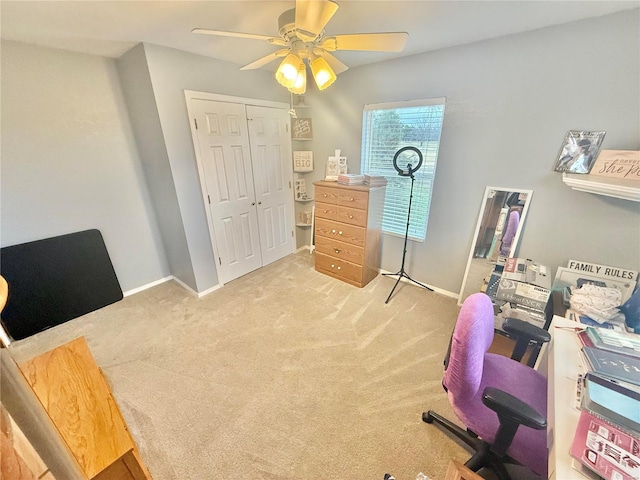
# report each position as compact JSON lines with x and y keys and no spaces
{"x":386,"y":128}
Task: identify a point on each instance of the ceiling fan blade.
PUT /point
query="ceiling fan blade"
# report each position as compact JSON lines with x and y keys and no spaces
{"x":313,"y":15}
{"x":336,"y":65}
{"x":266,"y":59}
{"x":376,"y":42}
{"x":252,"y":36}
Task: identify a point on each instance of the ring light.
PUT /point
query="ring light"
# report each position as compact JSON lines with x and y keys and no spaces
{"x":408,"y":171}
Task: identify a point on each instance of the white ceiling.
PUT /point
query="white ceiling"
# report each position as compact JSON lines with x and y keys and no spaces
{"x":110,"y":28}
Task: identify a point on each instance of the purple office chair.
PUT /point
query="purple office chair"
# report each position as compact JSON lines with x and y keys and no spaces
{"x":509,"y":233}
{"x":501,"y":402}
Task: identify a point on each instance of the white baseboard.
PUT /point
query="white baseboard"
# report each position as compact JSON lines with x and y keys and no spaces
{"x":446,"y":293}
{"x":163,"y":280}
{"x":192,"y":291}
{"x":209,"y":290}
{"x":148,"y":285}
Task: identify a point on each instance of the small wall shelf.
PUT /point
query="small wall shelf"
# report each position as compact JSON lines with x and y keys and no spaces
{"x":305,"y":200}
{"x":611,"y":187}
{"x":303,"y":224}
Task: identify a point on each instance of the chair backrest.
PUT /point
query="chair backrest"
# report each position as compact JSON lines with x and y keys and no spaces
{"x":472,"y":337}
{"x":509,"y":233}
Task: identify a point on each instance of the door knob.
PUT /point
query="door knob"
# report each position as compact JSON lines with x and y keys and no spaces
{"x":259,"y":203}
{"x":253,"y":203}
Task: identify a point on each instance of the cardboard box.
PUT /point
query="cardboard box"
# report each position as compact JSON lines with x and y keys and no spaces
{"x":531,"y":296}
{"x":526,"y":271}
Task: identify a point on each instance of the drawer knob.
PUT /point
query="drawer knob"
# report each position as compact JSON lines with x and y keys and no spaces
{"x":324,"y":211}
{"x":333,"y":266}
{"x":324,"y":195}
{"x":339,"y":268}
{"x":351,"y":199}
{"x":350,"y":216}
{"x":340,"y":232}
{"x":333,"y":231}
{"x":337,"y":250}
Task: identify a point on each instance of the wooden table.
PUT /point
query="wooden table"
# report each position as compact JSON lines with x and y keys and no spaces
{"x":79,"y":402}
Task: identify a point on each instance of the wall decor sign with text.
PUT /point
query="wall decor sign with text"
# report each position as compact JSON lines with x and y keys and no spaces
{"x":618,"y":164}
{"x":301,"y":129}
{"x":302,"y":161}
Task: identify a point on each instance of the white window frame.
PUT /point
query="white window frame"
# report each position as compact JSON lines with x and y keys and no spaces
{"x":396,"y":201}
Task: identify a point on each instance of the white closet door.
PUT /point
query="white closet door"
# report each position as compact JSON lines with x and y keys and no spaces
{"x":226,"y":159}
{"x":271,"y":159}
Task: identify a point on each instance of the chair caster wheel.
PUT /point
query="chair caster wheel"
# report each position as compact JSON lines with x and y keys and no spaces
{"x":426,"y":417}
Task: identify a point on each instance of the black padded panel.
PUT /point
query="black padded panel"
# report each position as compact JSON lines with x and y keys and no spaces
{"x":54,"y":280}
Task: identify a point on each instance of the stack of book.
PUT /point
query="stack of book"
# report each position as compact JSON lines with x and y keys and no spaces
{"x":607,"y":439}
{"x":350,"y":179}
{"x":374,"y":180}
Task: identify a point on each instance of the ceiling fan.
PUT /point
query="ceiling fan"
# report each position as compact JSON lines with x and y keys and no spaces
{"x":302,"y":34}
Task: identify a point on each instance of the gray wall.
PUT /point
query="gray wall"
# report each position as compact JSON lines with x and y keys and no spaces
{"x":143,"y":112}
{"x":69,"y":159}
{"x":171,"y":72}
{"x":510,"y":102}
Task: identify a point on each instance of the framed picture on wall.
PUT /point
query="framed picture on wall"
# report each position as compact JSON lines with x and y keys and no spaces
{"x":579,"y":151}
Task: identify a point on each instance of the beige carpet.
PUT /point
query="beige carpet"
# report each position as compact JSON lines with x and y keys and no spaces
{"x":284,"y":373}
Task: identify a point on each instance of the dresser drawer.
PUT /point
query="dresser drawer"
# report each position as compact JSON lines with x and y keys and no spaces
{"x":353,"y":199}
{"x":341,"y":250}
{"x":340,"y":231}
{"x":340,"y":269}
{"x":352,"y":216}
{"x":327,"y":194}
{"x":326,"y":210}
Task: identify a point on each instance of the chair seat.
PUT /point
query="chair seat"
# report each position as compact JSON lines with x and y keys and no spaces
{"x":529,"y":446}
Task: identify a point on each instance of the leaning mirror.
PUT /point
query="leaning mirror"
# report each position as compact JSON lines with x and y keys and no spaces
{"x":499,"y":227}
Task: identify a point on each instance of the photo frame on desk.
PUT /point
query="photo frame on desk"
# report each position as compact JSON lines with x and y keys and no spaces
{"x":335,"y":166}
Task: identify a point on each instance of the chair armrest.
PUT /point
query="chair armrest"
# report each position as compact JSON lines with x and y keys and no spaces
{"x":511,"y":408}
{"x":520,"y":328}
{"x":524,"y":333}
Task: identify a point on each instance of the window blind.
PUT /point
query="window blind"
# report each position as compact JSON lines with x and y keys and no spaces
{"x":388,"y":127}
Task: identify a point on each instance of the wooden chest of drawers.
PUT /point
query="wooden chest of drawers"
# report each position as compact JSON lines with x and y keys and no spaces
{"x":348,"y":227}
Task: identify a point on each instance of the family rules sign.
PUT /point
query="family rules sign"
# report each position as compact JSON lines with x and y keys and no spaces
{"x":604,"y":271}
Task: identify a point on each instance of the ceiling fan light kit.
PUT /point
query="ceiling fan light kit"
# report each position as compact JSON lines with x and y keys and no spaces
{"x":287,"y":72}
{"x":301,"y":81}
{"x":301,"y":29}
{"x":322,"y":73}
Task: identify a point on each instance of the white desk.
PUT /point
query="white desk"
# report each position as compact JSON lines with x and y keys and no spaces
{"x":564,"y":366}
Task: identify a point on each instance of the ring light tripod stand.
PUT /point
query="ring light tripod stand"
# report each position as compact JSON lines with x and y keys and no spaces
{"x":408,"y":172}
